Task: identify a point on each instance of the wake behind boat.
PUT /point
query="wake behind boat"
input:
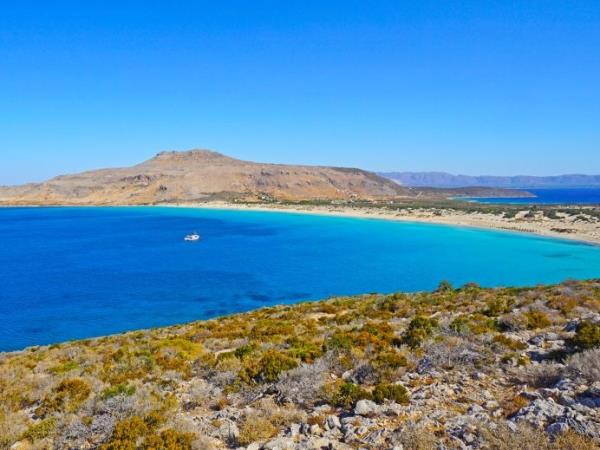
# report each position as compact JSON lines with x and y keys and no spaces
{"x":192,"y":237}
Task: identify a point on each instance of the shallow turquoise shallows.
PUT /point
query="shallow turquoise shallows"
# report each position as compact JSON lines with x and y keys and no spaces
{"x":69,"y":273}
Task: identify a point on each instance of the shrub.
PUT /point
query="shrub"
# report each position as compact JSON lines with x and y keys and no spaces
{"x":536,"y":319}
{"x":40,"y":430}
{"x":244,"y":350}
{"x":64,"y":368}
{"x":394,"y":392}
{"x":389,"y":359}
{"x":169,"y":440}
{"x":460,"y":325}
{"x":512,"y":322}
{"x":304,"y":350}
{"x":586,"y":364}
{"x":303,"y":385}
{"x":127,"y":434}
{"x":544,"y":375}
{"x":67,"y":396}
{"x":497,"y":306}
{"x":413,"y":437}
{"x":119,"y":389}
{"x":510,"y":343}
{"x":269,"y":367}
{"x":444,"y":286}
{"x":340,"y":340}
{"x":255,"y":428}
{"x":451,"y":353}
{"x":418,"y":330}
{"x":348,"y":394}
{"x":587,"y":335}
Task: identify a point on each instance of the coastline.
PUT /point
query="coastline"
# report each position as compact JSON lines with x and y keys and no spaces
{"x":584,"y":233}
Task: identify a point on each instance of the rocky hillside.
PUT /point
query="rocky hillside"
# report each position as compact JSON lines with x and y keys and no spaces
{"x":468,"y":368}
{"x":201,"y":175}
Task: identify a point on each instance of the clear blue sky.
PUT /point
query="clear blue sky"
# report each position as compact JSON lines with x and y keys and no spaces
{"x":470,"y":86}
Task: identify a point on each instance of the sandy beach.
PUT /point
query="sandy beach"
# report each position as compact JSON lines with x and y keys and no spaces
{"x":564,"y":227}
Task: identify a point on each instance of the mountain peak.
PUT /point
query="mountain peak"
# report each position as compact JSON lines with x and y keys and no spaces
{"x":193,"y":154}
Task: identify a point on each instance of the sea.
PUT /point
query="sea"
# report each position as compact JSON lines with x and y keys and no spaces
{"x":570,"y":196}
{"x":72,"y":273}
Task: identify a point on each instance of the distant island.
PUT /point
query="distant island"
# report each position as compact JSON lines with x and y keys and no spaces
{"x":447,"y":180}
{"x":205,"y":175}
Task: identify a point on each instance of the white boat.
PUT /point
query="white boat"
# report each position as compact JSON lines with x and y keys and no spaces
{"x":192,"y":237}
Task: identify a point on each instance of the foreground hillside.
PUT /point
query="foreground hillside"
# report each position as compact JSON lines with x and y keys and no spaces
{"x":201,"y":175}
{"x":455,"y":368}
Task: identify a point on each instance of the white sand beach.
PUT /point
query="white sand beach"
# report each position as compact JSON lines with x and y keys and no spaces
{"x":563,"y":227}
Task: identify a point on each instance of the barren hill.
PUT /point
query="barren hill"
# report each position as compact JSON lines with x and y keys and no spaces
{"x":200,"y":175}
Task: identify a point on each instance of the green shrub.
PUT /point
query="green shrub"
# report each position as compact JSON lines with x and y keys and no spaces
{"x":348,"y":394}
{"x":497,"y":306}
{"x":587,"y":335}
{"x":40,"y":430}
{"x":245,"y":350}
{"x":119,"y":389}
{"x":394,"y":392}
{"x":419,"y":329}
{"x":64,"y":368}
{"x":269,"y":367}
{"x":340,"y":340}
{"x":444,"y":286}
{"x":304,"y":350}
{"x":460,"y":325}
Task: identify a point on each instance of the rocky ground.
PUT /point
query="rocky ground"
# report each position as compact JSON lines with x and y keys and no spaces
{"x":464,"y":368}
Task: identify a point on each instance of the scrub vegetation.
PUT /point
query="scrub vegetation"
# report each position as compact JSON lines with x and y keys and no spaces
{"x":481,"y":368}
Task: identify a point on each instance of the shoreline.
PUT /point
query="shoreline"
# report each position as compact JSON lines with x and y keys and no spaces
{"x":467,"y":220}
{"x":583,"y":233}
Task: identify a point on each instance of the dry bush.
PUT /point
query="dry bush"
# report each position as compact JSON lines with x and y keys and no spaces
{"x":279,"y":416}
{"x":451,"y":353}
{"x":12,"y":427}
{"x":255,"y":428}
{"x":413,"y":437}
{"x":525,"y":438}
{"x":573,"y":441}
{"x":303,"y":385}
{"x":544,"y":375}
{"x":201,"y":393}
{"x":512,"y":322}
{"x":586,"y":365}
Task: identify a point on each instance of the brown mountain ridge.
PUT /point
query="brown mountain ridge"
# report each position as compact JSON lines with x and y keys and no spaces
{"x":202,"y":175}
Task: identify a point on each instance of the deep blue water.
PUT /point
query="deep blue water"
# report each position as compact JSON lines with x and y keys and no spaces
{"x":69,"y":273}
{"x":571,"y":196}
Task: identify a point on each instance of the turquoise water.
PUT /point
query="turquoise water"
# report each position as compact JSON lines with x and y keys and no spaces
{"x":69,"y":273}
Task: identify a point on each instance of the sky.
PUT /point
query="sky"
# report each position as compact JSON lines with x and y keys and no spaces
{"x":470,"y":87}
